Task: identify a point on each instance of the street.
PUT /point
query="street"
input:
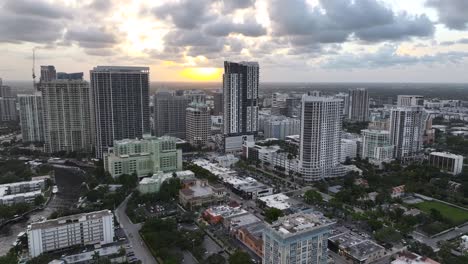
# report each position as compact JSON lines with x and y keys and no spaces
{"x":131,"y":230}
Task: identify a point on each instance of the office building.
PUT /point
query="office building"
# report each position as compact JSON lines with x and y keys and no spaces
{"x":240,"y":102}
{"x":48,"y":73}
{"x":170,"y":115}
{"x":375,"y":145}
{"x":144,"y":157}
{"x":30,"y":109}
{"x":297,"y":238}
{"x":278,"y":104}
{"x":121,"y":104}
{"x":8,"y":109}
{"x":198,"y":127}
{"x":358,"y":105}
{"x":410,"y":100}
{"x":406,"y":131}
{"x":320,"y":149}
{"x":218,"y":104}
{"x":195,"y":96}
{"x":446,"y":162}
{"x":74,"y":230}
{"x":293,"y":107}
{"x":67,"y":117}
{"x":280,"y":126}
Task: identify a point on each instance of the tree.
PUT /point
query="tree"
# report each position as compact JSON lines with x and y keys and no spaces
{"x":313,"y":197}
{"x":214,"y":259}
{"x":240,"y":257}
{"x":272,"y":214}
{"x":39,"y":200}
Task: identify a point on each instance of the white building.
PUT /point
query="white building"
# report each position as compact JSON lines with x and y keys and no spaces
{"x":447,"y":162}
{"x":376,"y":145}
{"x":30,"y":109}
{"x":320,"y":149}
{"x":280,"y":127}
{"x":240,"y":102}
{"x":198,"y":127}
{"x":410,"y":100}
{"x":81,"y":229}
{"x":349,"y":149}
{"x":406,"y":131}
{"x":412,"y":258}
{"x":21,"y":192}
{"x":153,"y":184}
{"x":345,"y":98}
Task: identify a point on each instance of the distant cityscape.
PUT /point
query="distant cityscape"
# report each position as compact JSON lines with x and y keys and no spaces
{"x":105,"y":171}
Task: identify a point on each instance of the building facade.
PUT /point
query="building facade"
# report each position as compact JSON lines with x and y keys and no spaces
{"x":240,"y":102}
{"x":48,"y":73}
{"x":198,"y":128}
{"x":31,"y":119}
{"x":406,"y":131}
{"x":170,"y":115}
{"x":81,"y":229}
{"x":121,"y":104}
{"x":320,"y":149}
{"x":8,"y":109}
{"x":144,"y":157}
{"x":67,"y":117}
{"x":374,"y":143}
{"x":297,"y":238}
{"x":358,"y":105}
{"x":280,"y":127}
{"x":218,"y":104}
{"x":447,"y":162}
{"x":410,"y":100}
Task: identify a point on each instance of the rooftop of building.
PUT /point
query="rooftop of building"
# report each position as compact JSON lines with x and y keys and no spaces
{"x":357,"y":246}
{"x":120,"y":68}
{"x":69,"y":219}
{"x":407,"y":257}
{"x":447,"y":155}
{"x":5,"y":196}
{"x":300,"y":223}
{"x":88,"y":256}
{"x":214,"y":168}
{"x":225,"y":211}
{"x":279,"y":201}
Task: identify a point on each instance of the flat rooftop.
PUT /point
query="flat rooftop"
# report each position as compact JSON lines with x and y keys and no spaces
{"x":279,"y":201}
{"x":243,"y":220}
{"x":299,"y":223}
{"x":225,"y":211}
{"x":359,"y":247}
{"x":69,"y":219}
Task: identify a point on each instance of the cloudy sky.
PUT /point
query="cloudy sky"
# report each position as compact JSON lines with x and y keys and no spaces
{"x":293,"y":40}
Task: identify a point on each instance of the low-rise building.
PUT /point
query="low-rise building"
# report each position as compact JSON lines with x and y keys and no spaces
{"x":64,"y":232}
{"x":252,"y":237}
{"x":447,"y":162}
{"x":217,"y":214}
{"x":113,"y":253}
{"x":398,"y":191}
{"x":143,"y":156}
{"x":412,"y":258}
{"x":355,"y":248}
{"x":227,"y":160}
{"x":248,"y":187}
{"x":200,"y":192}
{"x":21,"y":192}
{"x":279,"y":201}
{"x":153,"y":184}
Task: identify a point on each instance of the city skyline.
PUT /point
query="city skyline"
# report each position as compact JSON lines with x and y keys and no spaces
{"x":339,"y":40}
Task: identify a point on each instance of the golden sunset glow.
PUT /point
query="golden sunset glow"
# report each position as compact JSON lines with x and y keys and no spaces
{"x":202,"y":74}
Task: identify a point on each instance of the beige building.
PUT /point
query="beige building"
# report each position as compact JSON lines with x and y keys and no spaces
{"x":144,"y":157}
{"x":200,"y":192}
{"x":198,"y":124}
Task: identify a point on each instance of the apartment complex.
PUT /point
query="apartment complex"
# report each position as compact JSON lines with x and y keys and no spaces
{"x":121,"y":104}
{"x":280,"y":126}
{"x":21,"y":192}
{"x":144,"y":157}
{"x":198,"y":124}
{"x":8,"y":109}
{"x":67,"y":116}
{"x":240,"y":102}
{"x":297,"y":238}
{"x":410,"y":100}
{"x":170,"y":115}
{"x":358,"y":105}
{"x":376,"y":145}
{"x":320,"y":148}
{"x":81,"y":229}
{"x":406,"y":131}
{"x":32,"y":127}
{"x":447,"y":162}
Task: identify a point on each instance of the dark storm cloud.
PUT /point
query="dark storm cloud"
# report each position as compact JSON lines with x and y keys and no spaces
{"x":334,"y":21}
{"x":36,"y":8}
{"x":450,"y":43}
{"x":387,"y":56}
{"x":93,"y":38}
{"x":452,"y":13}
{"x":185,"y":14}
{"x":223,"y":28}
{"x":229,"y":5}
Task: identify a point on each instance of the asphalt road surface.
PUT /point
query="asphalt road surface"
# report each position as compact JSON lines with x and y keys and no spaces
{"x":131,"y":230}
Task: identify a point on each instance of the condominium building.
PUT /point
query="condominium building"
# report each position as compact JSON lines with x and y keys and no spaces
{"x":320,"y":149}
{"x":280,"y":126}
{"x":121,"y":104}
{"x":170,"y":115}
{"x":297,"y":238}
{"x":410,"y":100}
{"x":74,"y":230}
{"x":67,"y":117}
{"x":21,"y":192}
{"x":144,"y":157}
{"x":218,"y":104}
{"x":406,"y":131}
{"x":5,"y":91}
{"x":240,"y":96}
{"x":31,"y":119}
{"x":349,"y":149}
{"x":447,"y":162}
{"x":195,"y":96}
{"x":345,"y":98}
{"x":48,"y":73}
{"x":8,"y":109}
{"x":358,"y":105}
{"x":198,"y":124}
{"x":375,"y":143}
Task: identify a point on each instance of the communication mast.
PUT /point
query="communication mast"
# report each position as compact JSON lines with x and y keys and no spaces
{"x":34,"y":68}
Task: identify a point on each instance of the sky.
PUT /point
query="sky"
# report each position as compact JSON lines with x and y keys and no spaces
{"x":293,"y":40}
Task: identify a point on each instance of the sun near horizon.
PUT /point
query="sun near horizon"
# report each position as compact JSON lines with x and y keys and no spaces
{"x":202,"y":74}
